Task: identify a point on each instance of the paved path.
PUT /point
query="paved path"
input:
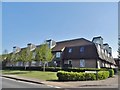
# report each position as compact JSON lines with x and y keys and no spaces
{"x":10,"y":83}
{"x":107,"y":83}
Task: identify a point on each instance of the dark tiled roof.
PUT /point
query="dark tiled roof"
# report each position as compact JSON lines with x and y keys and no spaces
{"x":69,"y":43}
{"x":90,"y":52}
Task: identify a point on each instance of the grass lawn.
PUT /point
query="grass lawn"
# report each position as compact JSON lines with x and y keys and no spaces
{"x":32,"y":74}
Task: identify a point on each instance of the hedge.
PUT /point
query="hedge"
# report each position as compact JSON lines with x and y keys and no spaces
{"x":111,"y":72}
{"x":54,"y":69}
{"x":81,"y":76}
{"x":80,"y":69}
{"x":103,"y":75}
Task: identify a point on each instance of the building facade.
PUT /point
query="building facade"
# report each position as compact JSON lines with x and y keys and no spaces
{"x":80,"y":53}
{"x":83,"y":53}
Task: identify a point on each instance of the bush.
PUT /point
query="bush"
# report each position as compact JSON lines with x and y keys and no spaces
{"x":53,"y":69}
{"x":75,"y":76}
{"x":81,"y":76}
{"x":111,"y":72}
{"x":80,"y":69}
{"x":103,"y":75}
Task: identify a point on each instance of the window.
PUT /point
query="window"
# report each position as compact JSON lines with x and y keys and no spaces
{"x":69,"y":61}
{"x":81,"y":49}
{"x":102,"y":51}
{"x":105,"y":52}
{"x":70,"y":50}
{"x":99,"y":48}
{"x":57,"y":54}
{"x":34,"y":54}
{"x":82,"y":63}
{"x":98,"y":64}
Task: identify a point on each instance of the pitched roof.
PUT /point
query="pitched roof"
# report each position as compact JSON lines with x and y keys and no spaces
{"x":89,"y":52}
{"x":106,"y":58}
{"x":68,"y":43}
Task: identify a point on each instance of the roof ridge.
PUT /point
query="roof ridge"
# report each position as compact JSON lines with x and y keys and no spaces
{"x":73,"y":40}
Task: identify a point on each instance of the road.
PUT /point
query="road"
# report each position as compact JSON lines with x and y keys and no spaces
{"x":10,"y":83}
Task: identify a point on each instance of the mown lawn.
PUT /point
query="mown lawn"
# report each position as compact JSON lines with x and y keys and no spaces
{"x":32,"y":74}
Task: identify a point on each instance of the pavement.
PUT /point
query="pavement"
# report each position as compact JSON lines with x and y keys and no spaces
{"x":11,"y":83}
{"x":107,"y":83}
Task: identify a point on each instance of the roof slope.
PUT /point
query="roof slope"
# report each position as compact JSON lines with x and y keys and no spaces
{"x":69,"y":43}
{"x":89,"y":52}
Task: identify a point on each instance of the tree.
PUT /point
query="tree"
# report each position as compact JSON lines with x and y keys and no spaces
{"x":23,"y":57}
{"x":14,"y":58}
{"x":4,"y":54}
{"x":29,"y":56}
{"x":44,"y":54}
{"x":5,"y":57}
{"x":38,"y":55}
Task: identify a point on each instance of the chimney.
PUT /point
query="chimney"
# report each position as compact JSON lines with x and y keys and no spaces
{"x":106,"y":47}
{"x":51,"y":43}
{"x":98,"y":40}
{"x":16,"y":49}
{"x":31,"y":46}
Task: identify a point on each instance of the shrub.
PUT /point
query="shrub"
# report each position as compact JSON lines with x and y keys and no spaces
{"x":80,"y":69}
{"x":111,"y":72}
{"x":75,"y":76}
{"x":90,"y":76}
{"x":53,"y":69}
{"x":103,"y":75}
{"x":81,"y":76}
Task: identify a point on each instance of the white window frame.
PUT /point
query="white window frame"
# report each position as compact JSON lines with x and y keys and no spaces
{"x":105,"y":52}
{"x":58,"y":54}
{"x":69,"y":61}
{"x":82,"y":49}
{"x":102,"y":51}
{"x":98,"y":64}
{"x":82,"y":62}
{"x":70,"y":50}
{"x":99,"y":48}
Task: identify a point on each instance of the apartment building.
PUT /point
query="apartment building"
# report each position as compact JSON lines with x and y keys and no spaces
{"x":80,"y":53}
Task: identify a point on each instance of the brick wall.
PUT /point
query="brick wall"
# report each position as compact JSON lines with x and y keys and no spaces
{"x":89,"y":63}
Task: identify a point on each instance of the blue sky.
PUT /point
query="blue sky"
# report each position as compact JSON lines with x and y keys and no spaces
{"x":23,"y":23}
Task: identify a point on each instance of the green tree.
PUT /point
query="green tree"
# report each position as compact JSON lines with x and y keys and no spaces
{"x":44,"y":54}
{"x":5,"y":58}
{"x":14,"y":58}
{"x":38,"y":55}
{"x":29,"y":56}
{"x":23,"y":57}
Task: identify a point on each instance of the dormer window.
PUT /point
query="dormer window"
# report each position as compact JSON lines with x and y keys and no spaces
{"x":82,"y":49}
{"x":102,"y":51}
{"x":105,"y":53}
{"x":70,"y":50}
{"x":99,"y":48}
{"x":57,"y":54}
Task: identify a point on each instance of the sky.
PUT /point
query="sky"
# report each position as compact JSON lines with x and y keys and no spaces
{"x":25,"y":22}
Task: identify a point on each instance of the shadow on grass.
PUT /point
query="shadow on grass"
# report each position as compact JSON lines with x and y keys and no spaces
{"x":19,"y":72}
{"x":16,"y":73}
